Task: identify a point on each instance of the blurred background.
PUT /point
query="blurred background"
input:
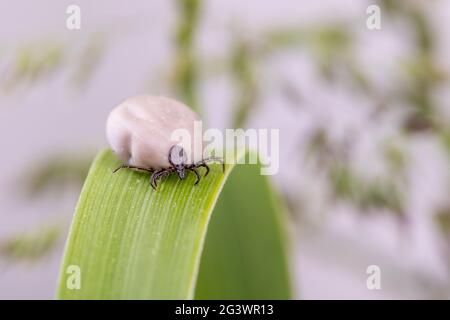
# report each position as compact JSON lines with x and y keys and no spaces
{"x":364,"y":122}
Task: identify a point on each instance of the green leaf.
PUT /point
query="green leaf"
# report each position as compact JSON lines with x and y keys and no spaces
{"x":131,"y":242}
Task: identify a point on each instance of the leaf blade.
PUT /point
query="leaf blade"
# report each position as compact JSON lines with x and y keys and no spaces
{"x":133,"y":243}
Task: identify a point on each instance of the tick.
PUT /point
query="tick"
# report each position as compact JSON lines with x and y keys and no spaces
{"x":139,"y":131}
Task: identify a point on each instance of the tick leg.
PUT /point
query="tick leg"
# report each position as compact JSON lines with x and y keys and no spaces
{"x":153,"y":179}
{"x":163,"y":174}
{"x":124,"y":166}
{"x":158,"y":175}
{"x":198,"y":165}
{"x":206,"y":167}
{"x":197,"y":175}
{"x":216,"y":159}
{"x":156,"y":180}
{"x":119,"y":168}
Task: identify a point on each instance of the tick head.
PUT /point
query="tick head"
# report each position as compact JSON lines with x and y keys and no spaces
{"x":181,"y":172}
{"x":177,"y":159}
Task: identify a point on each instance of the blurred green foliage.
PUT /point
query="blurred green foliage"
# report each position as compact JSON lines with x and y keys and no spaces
{"x":57,"y":173}
{"x":381,"y":193}
{"x":37,"y":62}
{"x":185,"y":73}
{"x":442,"y":218}
{"x":31,"y":246}
{"x":33,"y":63}
{"x":242,"y":72}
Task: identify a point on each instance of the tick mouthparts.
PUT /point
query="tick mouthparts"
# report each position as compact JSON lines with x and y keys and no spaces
{"x":181,"y":174}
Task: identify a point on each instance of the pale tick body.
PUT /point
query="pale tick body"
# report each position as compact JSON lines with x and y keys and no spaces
{"x":140,"y":129}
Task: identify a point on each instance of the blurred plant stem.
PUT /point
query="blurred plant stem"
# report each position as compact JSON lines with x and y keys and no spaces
{"x":329,"y":46}
{"x":442,"y":220}
{"x":32,"y":245}
{"x":37,"y":62}
{"x":57,"y":173}
{"x":244,"y":81}
{"x":424,"y":73}
{"x":382,"y":192}
{"x":185,"y":62}
{"x":33,"y":63}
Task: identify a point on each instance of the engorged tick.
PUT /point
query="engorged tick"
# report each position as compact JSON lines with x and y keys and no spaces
{"x":139,"y":131}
